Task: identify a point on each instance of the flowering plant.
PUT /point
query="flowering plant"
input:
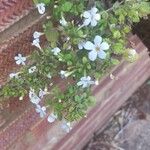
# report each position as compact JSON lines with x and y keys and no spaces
{"x":84,"y":39}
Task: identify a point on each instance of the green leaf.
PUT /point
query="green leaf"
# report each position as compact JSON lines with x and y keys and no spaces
{"x":51,"y":33}
{"x":66,"y":6}
{"x":116,"y":34}
{"x":84,"y":60}
{"x":118,"y":48}
{"x":115,"y":61}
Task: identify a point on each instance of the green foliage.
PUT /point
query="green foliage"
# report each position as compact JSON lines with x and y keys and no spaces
{"x":51,"y":33}
{"x":114,"y":25}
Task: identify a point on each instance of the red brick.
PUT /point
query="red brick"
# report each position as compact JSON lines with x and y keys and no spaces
{"x":13,"y":10}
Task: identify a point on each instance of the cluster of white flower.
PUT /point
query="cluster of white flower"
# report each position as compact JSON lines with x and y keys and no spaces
{"x":36,"y":39}
{"x":95,"y":50}
{"x":35,"y":99}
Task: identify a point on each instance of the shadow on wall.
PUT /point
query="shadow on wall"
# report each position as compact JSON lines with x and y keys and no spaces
{"x":142,"y":29}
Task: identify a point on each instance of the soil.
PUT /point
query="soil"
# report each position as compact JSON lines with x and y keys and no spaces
{"x":129,"y":128}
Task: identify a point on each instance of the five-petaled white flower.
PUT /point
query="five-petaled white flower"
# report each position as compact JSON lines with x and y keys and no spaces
{"x":36,"y":42}
{"x":56,"y":50}
{"x":32,"y":69}
{"x":91,"y":17}
{"x":41,"y":110}
{"x":20,"y":59}
{"x":41,"y":8}
{"x":96,"y":49}
{"x":13,"y":75}
{"x":36,"y":34}
{"x":85,"y":82}
{"x":66,"y":126}
{"x":63,"y":22}
{"x":52,"y":117}
{"x":33,"y":97}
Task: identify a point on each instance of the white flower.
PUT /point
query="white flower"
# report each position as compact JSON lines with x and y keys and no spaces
{"x":96,"y":49}
{"x":64,"y":74}
{"x":85,"y":82}
{"x":66,"y":126}
{"x":63,"y":22}
{"x":33,"y":97}
{"x":32,"y":69}
{"x":52,"y":117}
{"x":36,"y":42}
{"x":81,"y":45}
{"x":56,"y":51}
{"x":20,"y":59}
{"x":36,"y":35}
{"x":41,"y":8}
{"x":41,"y":110}
{"x":13,"y":75}
{"x":91,"y":17}
{"x":42,"y":93}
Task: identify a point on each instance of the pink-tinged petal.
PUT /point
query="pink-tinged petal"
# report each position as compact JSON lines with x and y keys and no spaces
{"x":92,"y":55}
{"x":97,"y":16}
{"x":93,"y":22}
{"x":97,"y":40}
{"x":86,"y":22}
{"x":101,"y":54}
{"x":86,"y":14}
{"x":104,"y":46}
{"x":16,"y":57}
{"x":89,"y":45}
{"x":94,"y":10}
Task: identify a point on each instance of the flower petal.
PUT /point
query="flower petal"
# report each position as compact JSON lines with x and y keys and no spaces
{"x":97,"y":40}
{"x":92,"y":55}
{"x":18,"y":62}
{"x":79,"y":83}
{"x":97,"y":17}
{"x":41,"y":8}
{"x":51,"y":118}
{"x":93,"y":22}
{"x":86,"y":22}
{"x":101,"y":54}
{"x":104,"y":46}
{"x":86,"y":14}
{"x":89,"y":45}
{"x":94,"y":10}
